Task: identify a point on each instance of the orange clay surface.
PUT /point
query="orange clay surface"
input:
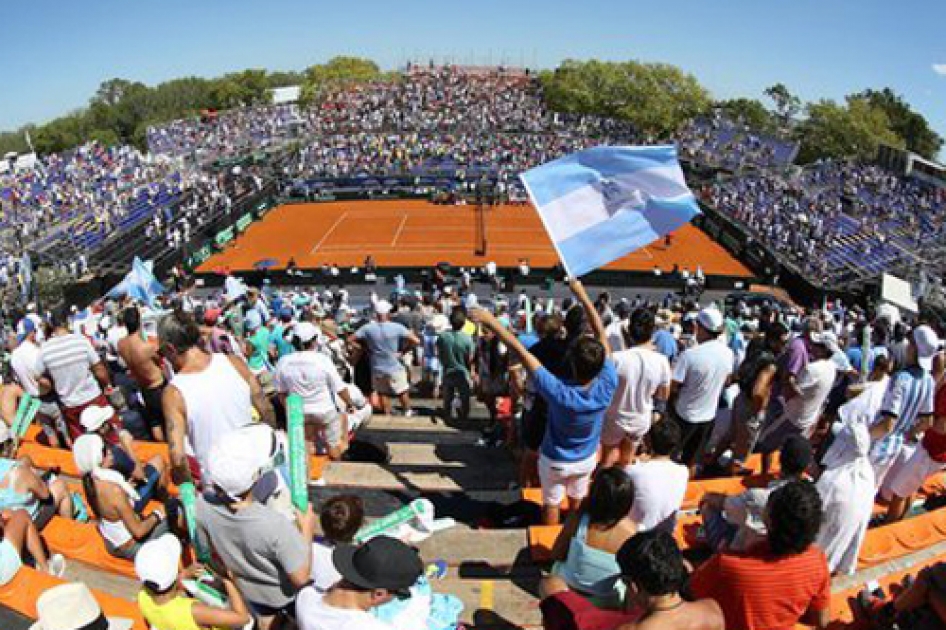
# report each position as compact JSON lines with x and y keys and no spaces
{"x":414,"y":233}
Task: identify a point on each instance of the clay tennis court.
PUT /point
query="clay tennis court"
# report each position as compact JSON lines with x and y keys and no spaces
{"x":414,"y":233}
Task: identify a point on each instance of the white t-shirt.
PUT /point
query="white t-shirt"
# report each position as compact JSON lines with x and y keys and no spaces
{"x":613,"y":332}
{"x":311,"y":375}
{"x":24,"y":360}
{"x":659,"y":488}
{"x":641,"y":372}
{"x":815,"y":382}
{"x":68,"y":359}
{"x":312,"y":613}
{"x":702,"y":372}
{"x":324,"y":574}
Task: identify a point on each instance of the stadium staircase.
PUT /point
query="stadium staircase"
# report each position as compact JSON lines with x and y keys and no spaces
{"x":495,"y":571}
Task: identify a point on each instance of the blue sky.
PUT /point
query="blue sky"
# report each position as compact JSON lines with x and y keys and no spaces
{"x":57,"y":52}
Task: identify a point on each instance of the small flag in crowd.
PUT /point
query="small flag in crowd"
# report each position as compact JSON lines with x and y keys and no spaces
{"x":605,"y":202}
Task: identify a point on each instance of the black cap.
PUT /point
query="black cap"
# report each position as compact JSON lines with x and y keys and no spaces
{"x":382,"y":562}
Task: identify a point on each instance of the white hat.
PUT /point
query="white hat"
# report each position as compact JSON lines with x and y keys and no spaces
{"x":4,"y":432}
{"x":827,"y":339}
{"x":305,"y":331}
{"x":88,"y":451}
{"x":95,"y":416}
{"x":157,"y":562}
{"x":440,"y":323}
{"x":236,"y":462}
{"x":71,"y":607}
{"x":382,"y":307}
{"x":927,"y":345}
{"x":711,"y":319}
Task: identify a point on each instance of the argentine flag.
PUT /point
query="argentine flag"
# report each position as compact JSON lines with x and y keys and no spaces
{"x":602,"y":203}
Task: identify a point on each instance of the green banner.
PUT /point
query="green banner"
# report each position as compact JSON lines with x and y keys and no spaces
{"x":244,"y":221}
{"x":224,"y":236}
{"x":298,"y":453}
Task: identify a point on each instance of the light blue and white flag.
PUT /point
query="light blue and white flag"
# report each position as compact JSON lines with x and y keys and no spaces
{"x":140,"y":283}
{"x":602,"y":203}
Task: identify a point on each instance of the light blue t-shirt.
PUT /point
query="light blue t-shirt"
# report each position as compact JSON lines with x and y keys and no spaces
{"x":575,"y":413}
{"x":384,"y":345}
{"x":666,"y":344}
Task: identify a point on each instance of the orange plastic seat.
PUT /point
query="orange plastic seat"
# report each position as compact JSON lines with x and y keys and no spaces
{"x":541,"y":541}
{"x":880,"y":545}
{"x":918,"y":533}
{"x":21,"y":593}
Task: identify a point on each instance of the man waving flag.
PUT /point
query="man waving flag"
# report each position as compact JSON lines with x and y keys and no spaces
{"x":602,"y":203}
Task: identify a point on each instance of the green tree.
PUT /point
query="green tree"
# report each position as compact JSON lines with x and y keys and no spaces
{"x":750,"y":111}
{"x":852,"y":130}
{"x":337,"y":70}
{"x":656,"y":98}
{"x":786,"y":104}
{"x":910,"y":125}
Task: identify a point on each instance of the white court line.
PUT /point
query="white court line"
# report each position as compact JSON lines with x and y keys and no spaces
{"x":400,"y":228}
{"x":335,"y":225}
{"x":410,"y":250}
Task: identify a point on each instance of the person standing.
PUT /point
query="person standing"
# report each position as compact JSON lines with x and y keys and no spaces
{"x":455,"y":349}
{"x":576,"y":408}
{"x":384,"y":341}
{"x":144,"y":365}
{"x":24,"y":361}
{"x":77,"y":373}
{"x":643,"y":378}
{"x":699,"y":377}
{"x":209,"y":396}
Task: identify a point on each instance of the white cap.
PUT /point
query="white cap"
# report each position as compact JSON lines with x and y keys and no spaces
{"x":711,"y":319}
{"x":72,"y":606}
{"x":305,"y":331}
{"x":927,"y":345}
{"x":440,"y":323}
{"x":88,"y":451}
{"x":157,"y":562}
{"x":827,"y":339}
{"x":382,"y":307}
{"x":95,"y":416}
{"x":236,"y":461}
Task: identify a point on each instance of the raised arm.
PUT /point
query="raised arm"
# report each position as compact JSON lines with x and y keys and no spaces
{"x":485,"y":318}
{"x":597,"y":326}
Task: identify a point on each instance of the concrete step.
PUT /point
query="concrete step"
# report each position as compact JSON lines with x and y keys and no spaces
{"x":496,"y":604}
{"x":95,"y":578}
{"x":480,"y":553}
{"x":422,"y":478}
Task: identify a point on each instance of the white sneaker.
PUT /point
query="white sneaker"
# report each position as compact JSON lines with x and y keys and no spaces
{"x":56,"y":565}
{"x":408,"y":413}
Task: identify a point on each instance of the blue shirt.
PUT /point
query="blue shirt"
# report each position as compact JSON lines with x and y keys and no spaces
{"x":528,"y":339}
{"x":666,"y":344}
{"x":575,"y":413}
{"x":384,"y":346}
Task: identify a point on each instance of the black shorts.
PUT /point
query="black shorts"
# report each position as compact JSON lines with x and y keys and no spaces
{"x":153,"y":409}
{"x":693,"y":436}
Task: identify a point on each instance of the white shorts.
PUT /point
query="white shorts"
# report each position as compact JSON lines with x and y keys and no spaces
{"x":390,"y":384}
{"x":907,"y":477}
{"x":565,"y":478}
{"x":620,"y":427}
{"x":882,"y":470}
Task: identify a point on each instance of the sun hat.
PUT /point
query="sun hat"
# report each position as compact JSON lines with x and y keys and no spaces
{"x":73,"y":607}
{"x":382,"y":562}
{"x":927,"y":345}
{"x":305,"y":331}
{"x":157,"y":562}
{"x":711,"y":319}
{"x":94,"y":416}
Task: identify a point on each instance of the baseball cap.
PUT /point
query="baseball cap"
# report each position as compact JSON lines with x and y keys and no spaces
{"x":382,"y":562}
{"x":236,"y":462}
{"x":827,"y":339}
{"x":711,"y":319}
{"x":211,"y":315}
{"x":156,"y":563}
{"x":305,"y":331}
{"x":24,"y":328}
{"x":94,"y":416}
{"x":927,"y":345}
{"x":382,"y":307}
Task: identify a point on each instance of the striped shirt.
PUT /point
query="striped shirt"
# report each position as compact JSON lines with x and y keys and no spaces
{"x":760,"y":591}
{"x":910,"y":394}
{"x":68,"y":360}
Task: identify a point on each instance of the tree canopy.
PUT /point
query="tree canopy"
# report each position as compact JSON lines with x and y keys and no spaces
{"x":854,"y":129}
{"x":657,"y":98}
{"x":911,"y":126}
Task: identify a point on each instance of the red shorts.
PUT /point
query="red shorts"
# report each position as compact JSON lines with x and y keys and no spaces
{"x":571,"y":611}
{"x":72,"y":416}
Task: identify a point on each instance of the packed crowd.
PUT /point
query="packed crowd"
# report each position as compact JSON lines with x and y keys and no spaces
{"x":835,"y":217}
{"x":90,"y":189}
{"x":734,"y":146}
{"x":612,"y":408}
